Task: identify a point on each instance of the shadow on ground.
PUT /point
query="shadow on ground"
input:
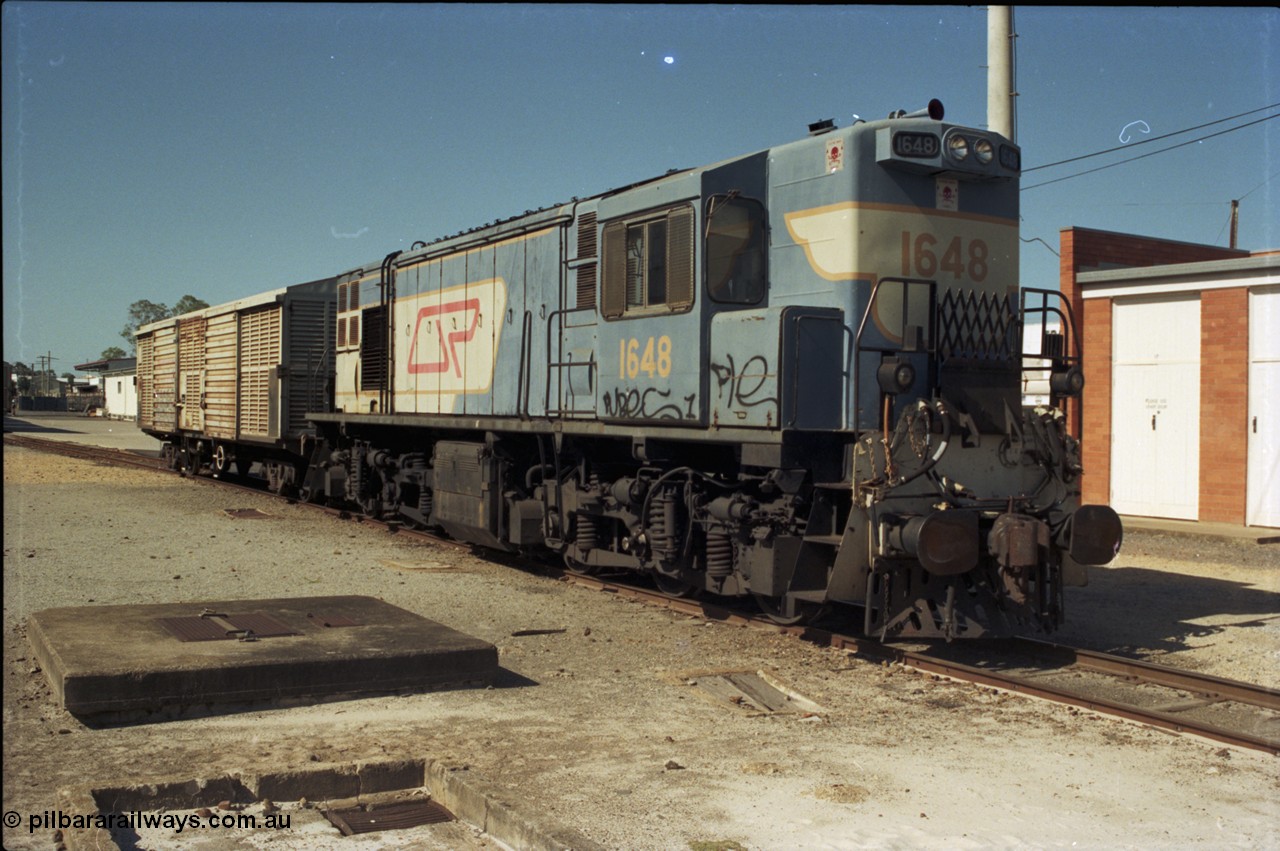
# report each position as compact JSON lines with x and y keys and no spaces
{"x":18,"y":425}
{"x":1127,"y":610}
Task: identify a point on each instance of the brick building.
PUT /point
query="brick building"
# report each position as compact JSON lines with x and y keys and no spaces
{"x":1181,"y":349}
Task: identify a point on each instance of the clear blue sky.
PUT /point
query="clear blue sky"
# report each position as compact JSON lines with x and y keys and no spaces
{"x":221,"y":150}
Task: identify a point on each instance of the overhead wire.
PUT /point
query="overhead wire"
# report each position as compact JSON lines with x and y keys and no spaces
{"x":1152,"y":139}
{"x":1151,"y":154}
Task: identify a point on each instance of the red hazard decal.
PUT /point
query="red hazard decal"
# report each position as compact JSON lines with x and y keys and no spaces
{"x":448,"y":342}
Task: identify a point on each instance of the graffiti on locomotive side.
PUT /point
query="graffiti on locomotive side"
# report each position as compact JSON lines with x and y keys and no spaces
{"x":647,"y":403}
{"x":744,"y":388}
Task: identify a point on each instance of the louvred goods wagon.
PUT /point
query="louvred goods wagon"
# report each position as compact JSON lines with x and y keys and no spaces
{"x":230,"y":386}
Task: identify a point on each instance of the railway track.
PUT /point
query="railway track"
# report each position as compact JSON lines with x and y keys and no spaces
{"x":86,"y":452}
{"x":1168,"y":698}
{"x":1173,"y":699}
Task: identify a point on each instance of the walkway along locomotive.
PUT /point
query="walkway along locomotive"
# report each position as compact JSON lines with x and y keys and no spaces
{"x":793,"y":375}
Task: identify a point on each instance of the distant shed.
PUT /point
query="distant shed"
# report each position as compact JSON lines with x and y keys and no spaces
{"x":119,"y":386}
{"x":1181,"y":407}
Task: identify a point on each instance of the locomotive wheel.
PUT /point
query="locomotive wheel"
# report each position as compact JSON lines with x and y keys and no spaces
{"x":805,"y":612}
{"x":674,"y":586}
{"x":572,"y":565}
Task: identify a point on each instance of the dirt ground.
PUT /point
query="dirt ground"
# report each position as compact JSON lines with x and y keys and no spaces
{"x":597,"y":726}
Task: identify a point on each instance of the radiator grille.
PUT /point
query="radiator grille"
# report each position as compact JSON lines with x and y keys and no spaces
{"x":310,"y":361}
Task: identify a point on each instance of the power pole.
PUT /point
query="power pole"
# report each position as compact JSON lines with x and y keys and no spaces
{"x":1000,"y":72}
{"x":46,"y":366}
{"x":1235,"y":221}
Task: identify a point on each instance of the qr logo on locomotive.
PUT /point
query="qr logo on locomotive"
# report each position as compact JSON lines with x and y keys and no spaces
{"x":455,"y":336}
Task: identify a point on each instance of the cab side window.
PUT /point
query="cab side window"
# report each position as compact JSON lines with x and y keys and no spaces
{"x":735,"y":249}
{"x":648,"y":264}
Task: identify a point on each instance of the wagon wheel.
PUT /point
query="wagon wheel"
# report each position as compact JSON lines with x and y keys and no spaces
{"x":186,"y":462}
{"x":223,"y":463}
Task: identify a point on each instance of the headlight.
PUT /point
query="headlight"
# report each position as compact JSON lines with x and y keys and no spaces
{"x":983,"y":151}
{"x":958,"y":147}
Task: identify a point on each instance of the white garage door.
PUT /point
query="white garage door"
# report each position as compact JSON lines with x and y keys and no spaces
{"x":1155,"y":407}
{"x":1263,"y":505}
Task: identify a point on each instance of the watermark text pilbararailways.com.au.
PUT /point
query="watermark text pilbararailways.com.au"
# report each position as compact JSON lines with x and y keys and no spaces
{"x":136,"y":820}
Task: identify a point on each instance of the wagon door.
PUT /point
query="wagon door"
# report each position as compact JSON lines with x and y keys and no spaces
{"x":191,"y":373}
{"x":259,"y":386}
{"x":165,"y":377}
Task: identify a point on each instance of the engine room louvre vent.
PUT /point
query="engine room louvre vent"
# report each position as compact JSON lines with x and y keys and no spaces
{"x":586,"y":236}
{"x":587,"y":286}
{"x":373,"y":348}
{"x":587,"y":249}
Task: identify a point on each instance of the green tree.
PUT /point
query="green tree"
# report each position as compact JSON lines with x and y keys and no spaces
{"x":188,"y":303}
{"x":113,"y":353}
{"x":142,"y":312}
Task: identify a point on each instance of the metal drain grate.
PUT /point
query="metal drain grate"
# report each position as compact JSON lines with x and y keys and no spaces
{"x":397,"y":816}
{"x":213,"y":626}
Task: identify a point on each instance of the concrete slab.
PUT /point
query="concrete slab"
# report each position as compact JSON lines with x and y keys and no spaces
{"x":119,"y":659}
{"x":77,"y":428}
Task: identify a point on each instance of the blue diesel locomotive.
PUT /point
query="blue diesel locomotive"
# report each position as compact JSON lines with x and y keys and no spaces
{"x":793,"y":375}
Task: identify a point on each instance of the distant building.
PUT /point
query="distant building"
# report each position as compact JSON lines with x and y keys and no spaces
{"x":117,"y":379}
{"x":10,"y":387}
{"x":1181,"y":350}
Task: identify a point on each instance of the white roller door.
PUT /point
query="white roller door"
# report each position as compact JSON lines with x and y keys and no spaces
{"x":1263,"y":498}
{"x":1155,"y":407}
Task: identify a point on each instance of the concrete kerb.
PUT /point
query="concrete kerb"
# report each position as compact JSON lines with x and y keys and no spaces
{"x":471,"y":798}
{"x":1201,"y":529}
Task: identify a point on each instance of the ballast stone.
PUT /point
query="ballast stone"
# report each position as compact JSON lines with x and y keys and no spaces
{"x":121,"y":659}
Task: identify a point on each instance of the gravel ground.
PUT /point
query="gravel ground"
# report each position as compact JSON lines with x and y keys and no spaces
{"x":597,"y":727}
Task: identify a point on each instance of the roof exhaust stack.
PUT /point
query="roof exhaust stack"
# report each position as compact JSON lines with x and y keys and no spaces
{"x":934,"y":110}
{"x":826,"y":125}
